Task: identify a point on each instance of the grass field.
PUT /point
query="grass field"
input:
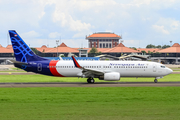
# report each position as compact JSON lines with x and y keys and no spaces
{"x":43,"y":78}
{"x":111,"y":103}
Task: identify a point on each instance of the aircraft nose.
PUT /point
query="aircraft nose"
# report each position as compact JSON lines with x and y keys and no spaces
{"x":169,"y":71}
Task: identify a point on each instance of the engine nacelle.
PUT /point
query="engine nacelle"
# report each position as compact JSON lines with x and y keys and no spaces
{"x":112,"y":76}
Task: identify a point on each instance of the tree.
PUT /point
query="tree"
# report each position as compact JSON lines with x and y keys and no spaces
{"x":62,"y":56}
{"x":93,"y":50}
{"x":149,"y":52}
{"x":159,"y":46}
{"x":150,"y":46}
{"x":133,"y":48}
{"x":35,"y":51}
{"x":144,"y":52}
{"x":166,"y":46}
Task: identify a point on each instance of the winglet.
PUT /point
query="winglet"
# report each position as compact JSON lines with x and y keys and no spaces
{"x":76,"y":63}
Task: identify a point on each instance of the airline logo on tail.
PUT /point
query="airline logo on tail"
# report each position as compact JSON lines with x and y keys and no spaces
{"x":21,"y":50}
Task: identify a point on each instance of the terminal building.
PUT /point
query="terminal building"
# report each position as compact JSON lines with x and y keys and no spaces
{"x":103,"y":40}
{"x":107,"y":45}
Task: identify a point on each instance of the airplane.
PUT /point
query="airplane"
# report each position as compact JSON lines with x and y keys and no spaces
{"x":27,"y":60}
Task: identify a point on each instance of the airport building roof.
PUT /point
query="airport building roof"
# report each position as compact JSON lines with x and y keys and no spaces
{"x":5,"y":50}
{"x":9,"y":47}
{"x":174,"y":49}
{"x":105,"y":35}
{"x":63,"y":48}
{"x":121,"y":49}
{"x":44,"y":49}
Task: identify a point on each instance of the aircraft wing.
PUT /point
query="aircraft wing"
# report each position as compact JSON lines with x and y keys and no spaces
{"x":86,"y":71}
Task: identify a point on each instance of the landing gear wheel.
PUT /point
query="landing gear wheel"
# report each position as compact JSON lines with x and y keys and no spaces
{"x":155,"y":80}
{"x":90,"y":80}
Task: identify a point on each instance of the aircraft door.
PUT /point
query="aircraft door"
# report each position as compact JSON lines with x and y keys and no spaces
{"x":154,"y":67}
{"x":39,"y":67}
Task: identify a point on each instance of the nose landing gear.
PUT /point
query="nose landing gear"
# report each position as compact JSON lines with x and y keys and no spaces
{"x":90,"y":80}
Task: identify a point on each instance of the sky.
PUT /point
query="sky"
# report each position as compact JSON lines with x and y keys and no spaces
{"x":42,"y":22}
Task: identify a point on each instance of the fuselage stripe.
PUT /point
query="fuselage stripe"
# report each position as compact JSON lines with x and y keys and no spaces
{"x":52,"y":67}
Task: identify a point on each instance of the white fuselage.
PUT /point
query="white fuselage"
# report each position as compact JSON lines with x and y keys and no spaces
{"x":125,"y":68}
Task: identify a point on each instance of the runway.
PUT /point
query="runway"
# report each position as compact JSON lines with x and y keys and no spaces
{"x":84,"y":84}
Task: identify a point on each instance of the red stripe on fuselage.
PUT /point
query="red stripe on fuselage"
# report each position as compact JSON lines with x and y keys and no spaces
{"x":52,"y":67}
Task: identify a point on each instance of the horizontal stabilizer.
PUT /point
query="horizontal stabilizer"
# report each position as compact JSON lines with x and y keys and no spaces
{"x":17,"y":62}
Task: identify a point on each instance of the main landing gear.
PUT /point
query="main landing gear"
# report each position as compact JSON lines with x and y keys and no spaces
{"x":90,"y":80}
{"x":155,"y":80}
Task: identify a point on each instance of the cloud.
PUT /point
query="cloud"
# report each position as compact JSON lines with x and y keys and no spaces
{"x":160,"y":29}
{"x":30,"y":34}
{"x":131,"y":43}
{"x":175,"y":25}
{"x":77,"y":35}
{"x":167,"y":25}
{"x":54,"y":35}
{"x":148,"y":20}
{"x":66,"y":20}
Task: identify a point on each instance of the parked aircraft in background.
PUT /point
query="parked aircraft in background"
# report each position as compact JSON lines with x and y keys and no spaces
{"x":104,"y":70}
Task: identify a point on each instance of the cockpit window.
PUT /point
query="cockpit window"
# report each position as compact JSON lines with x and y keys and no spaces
{"x":162,"y":66}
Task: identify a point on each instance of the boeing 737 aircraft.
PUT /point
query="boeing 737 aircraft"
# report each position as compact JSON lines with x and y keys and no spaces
{"x":104,"y":70}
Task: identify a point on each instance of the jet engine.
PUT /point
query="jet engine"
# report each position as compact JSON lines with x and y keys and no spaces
{"x":112,"y":76}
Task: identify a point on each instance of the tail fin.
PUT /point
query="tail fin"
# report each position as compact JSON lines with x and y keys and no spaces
{"x":22,"y":51}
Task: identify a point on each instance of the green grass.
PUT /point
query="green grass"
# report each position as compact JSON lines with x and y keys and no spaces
{"x":43,"y":78}
{"x":111,"y":103}
{"x":176,"y":70}
{"x":15,"y":68}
